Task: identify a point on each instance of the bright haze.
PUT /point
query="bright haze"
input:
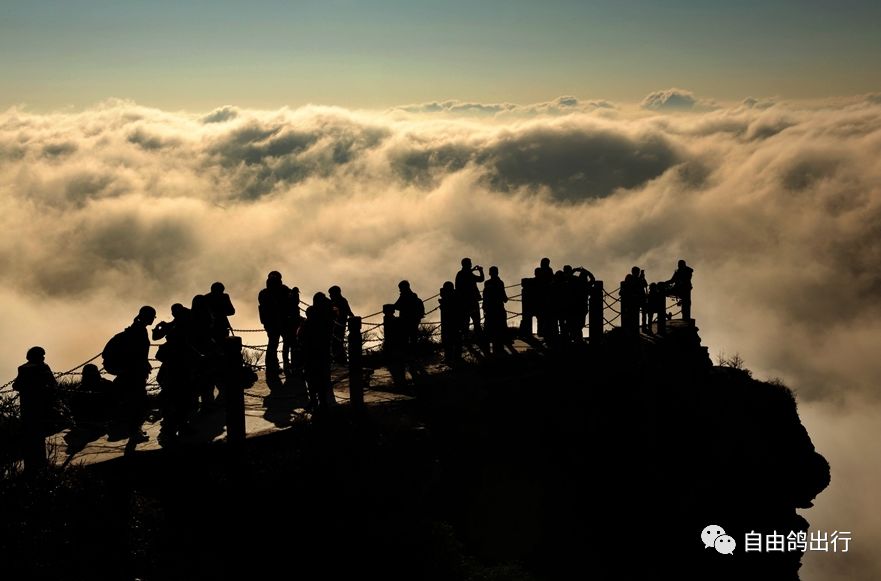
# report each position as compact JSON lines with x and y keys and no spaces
{"x":148,"y":149}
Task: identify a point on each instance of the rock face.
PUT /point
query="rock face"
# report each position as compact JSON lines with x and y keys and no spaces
{"x":610,"y":462}
{"x":601,"y":462}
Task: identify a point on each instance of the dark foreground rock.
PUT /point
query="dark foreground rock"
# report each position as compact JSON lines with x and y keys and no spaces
{"x":603,"y":462}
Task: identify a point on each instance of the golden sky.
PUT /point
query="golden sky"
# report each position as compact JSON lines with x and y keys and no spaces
{"x":148,"y":149}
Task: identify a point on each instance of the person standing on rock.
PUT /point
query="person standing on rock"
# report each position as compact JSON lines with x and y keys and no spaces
{"x":469,"y":294}
{"x":221,"y":308}
{"x":495,"y":315}
{"x":35,"y":384}
{"x":342,"y":313}
{"x":131,"y":381}
{"x":273,"y":306}
{"x":451,"y":319}
{"x":412,"y":311}
{"x":315,"y":336}
{"x":680,"y":287}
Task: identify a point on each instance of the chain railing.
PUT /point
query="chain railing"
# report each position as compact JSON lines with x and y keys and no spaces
{"x":372,"y":330}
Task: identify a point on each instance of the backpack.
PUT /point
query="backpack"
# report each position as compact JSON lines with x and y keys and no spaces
{"x":418,"y":307}
{"x":115,"y":354}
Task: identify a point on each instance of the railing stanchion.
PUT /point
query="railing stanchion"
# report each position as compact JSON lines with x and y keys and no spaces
{"x":595,"y":312}
{"x":527,"y":306}
{"x":233,"y":390}
{"x":356,"y":389}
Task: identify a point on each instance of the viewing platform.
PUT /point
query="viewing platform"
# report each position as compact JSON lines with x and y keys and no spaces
{"x":269,"y":411}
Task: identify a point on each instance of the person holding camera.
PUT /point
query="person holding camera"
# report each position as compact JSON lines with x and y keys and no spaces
{"x":178,"y":362}
{"x":469,"y":294}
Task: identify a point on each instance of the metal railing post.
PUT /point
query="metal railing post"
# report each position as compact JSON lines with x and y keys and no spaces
{"x":595,"y":312}
{"x":356,"y":389}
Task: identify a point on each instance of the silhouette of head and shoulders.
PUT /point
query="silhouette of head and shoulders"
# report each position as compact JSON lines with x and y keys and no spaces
{"x":34,"y":375}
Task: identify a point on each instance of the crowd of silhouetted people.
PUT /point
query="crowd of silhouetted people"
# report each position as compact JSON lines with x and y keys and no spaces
{"x":201,"y":358}
{"x":644,"y":304}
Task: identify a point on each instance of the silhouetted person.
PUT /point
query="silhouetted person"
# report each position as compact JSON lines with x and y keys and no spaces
{"x":640,"y":297}
{"x":36,"y":386}
{"x":394,"y":343}
{"x":657,"y":305}
{"x":632,"y":295}
{"x":412,"y":310}
{"x":325,"y":309}
{"x":544,"y":277}
{"x":221,"y":308}
{"x":315,"y":336}
{"x":92,"y":382}
{"x":176,"y":373}
{"x":544,"y":271}
{"x":202,"y":337}
{"x":290,"y":348}
{"x":131,"y":382}
{"x":451,"y":323}
{"x":680,"y":287}
{"x":580,"y":283}
{"x":555,"y":306}
{"x":342,"y":312}
{"x":274,"y":307}
{"x":469,"y":294}
{"x":495,"y":315}
{"x":96,"y":401}
{"x":566,"y":302}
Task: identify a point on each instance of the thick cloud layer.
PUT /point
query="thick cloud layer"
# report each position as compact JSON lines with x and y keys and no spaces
{"x":675,"y":100}
{"x":777,"y":207}
{"x":559,"y":106}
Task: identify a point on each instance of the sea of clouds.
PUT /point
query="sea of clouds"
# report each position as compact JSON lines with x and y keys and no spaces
{"x":777,"y":206}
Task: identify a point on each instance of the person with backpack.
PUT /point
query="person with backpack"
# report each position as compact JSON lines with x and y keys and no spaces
{"x":126,"y":356}
{"x":680,"y":287}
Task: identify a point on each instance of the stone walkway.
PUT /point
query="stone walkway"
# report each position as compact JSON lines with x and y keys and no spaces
{"x":266,"y":411}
